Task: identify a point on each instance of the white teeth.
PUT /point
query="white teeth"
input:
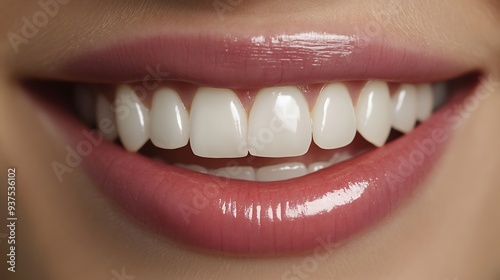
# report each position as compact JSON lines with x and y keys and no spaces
{"x":333,"y":117}
{"x":374,"y":112}
{"x":404,"y":104}
{"x":317,"y":166}
{"x":238,"y":172}
{"x":169,"y":120}
{"x":264,"y":174}
{"x":279,"y":123}
{"x":132,"y":119}
{"x":218,"y":124}
{"x":281,"y":172}
{"x":106,"y":119}
{"x":425,"y":102}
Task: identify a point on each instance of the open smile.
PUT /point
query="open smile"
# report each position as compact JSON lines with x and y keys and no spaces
{"x":263,"y":145}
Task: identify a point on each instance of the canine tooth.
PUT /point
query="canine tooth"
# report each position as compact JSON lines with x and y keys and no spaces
{"x":281,"y":172}
{"x":279,"y":123}
{"x":333,"y":117}
{"x":106,"y":119}
{"x":374,"y":112}
{"x":193,"y":167}
{"x":132,"y":119}
{"x":218,"y":124}
{"x":439,"y":92}
{"x":404,"y":104}
{"x":238,"y":172}
{"x":425,"y":102}
{"x":169,"y":120}
{"x":313,"y":167}
{"x":84,"y":102}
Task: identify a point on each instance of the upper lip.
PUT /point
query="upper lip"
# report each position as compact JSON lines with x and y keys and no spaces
{"x":235,"y":61}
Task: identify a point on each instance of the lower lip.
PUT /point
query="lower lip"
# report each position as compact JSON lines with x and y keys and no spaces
{"x":219,"y":215}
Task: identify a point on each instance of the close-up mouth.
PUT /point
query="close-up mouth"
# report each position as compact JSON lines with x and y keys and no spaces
{"x":257,"y":146}
{"x":231,"y":139}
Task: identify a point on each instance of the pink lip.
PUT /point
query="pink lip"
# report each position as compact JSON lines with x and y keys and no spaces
{"x":257,"y":61}
{"x":255,"y":219}
{"x":252,"y":218}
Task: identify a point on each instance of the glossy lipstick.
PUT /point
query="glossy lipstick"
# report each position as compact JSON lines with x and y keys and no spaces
{"x":257,"y":61}
{"x":253,"y":218}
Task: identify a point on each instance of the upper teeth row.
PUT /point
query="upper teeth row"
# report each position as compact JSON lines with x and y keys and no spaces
{"x":279,"y":124}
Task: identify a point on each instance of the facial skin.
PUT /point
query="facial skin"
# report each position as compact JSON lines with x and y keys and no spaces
{"x":448,"y":230}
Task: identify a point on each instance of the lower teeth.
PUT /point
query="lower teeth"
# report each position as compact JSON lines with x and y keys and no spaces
{"x":276,"y":172}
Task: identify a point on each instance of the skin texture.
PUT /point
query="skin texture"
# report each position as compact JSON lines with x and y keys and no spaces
{"x":448,"y":230}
